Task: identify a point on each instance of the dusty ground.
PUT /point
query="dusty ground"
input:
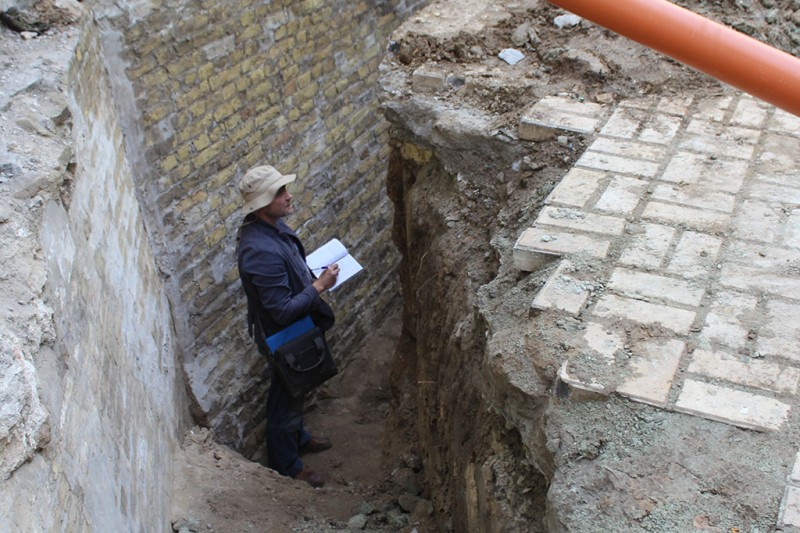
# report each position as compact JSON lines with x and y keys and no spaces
{"x":371,"y":469}
{"x":370,"y":473}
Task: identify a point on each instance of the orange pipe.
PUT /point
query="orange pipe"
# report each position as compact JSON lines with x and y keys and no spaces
{"x":732,"y":57}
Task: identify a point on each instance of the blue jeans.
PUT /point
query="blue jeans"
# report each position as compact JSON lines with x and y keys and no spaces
{"x":285,"y":431}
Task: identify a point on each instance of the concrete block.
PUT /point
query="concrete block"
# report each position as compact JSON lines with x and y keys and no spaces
{"x":754,"y":373}
{"x":712,"y":139}
{"x":648,"y":248}
{"x":576,"y":187}
{"x":713,"y":109}
{"x":624,"y":123}
{"x":714,"y":174}
{"x":730,"y":406}
{"x":553,"y":113}
{"x":623,"y":165}
{"x":602,"y":340}
{"x":563,"y":291}
{"x":538,"y":127}
{"x":580,"y":221}
{"x":589,"y":384}
{"x":653,"y":368}
{"x":756,"y":279}
{"x":785,"y":122}
{"x":538,"y":246}
{"x":794,"y":476}
{"x":661,"y":129}
{"x":695,"y":196}
{"x":643,"y":285}
{"x":750,"y":113}
{"x":625,"y":148}
{"x":428,"y":77}
{"x":765,"y":257}
{"x":791,"y":234}
{"x":695,"y":255}
{"x":729,"y":321}
{"x":687,"y":216}
{"x":774,"y":193}
{"x":757,"y":221}
{"x":622,"y":196}
{"x":672,"y":318}
{"x":789,"y":514}
{"x":780,"y":331}
{"x":675,"y":105}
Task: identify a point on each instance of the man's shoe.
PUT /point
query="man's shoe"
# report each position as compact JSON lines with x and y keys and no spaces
{"x":310,"y":477}
{"x":316,"y":444}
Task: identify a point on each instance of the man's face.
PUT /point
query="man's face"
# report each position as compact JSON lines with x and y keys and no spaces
{"x":281,"y":205}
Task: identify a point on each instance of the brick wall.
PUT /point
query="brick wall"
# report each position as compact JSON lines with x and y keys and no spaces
{"x":221,"y":87}
{"x":110,"y":380}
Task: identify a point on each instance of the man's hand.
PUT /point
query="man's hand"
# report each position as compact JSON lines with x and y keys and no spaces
{"x":327,"y":279}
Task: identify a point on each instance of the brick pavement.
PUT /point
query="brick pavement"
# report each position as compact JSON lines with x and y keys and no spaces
{"x":678,"y":233}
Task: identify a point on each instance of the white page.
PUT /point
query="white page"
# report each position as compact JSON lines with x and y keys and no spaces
{"x":325,"y":255}
{"x":334,"y":252}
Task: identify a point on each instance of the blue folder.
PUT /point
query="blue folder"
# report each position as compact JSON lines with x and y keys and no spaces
{"x":290,"y":332}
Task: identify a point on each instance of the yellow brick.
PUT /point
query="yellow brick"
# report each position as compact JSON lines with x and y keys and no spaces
{"x":205,"y":71}
{"x":155,"y":113}
{"x":169,"y":162}
{"x":205,"y":156}
{"x":232,"y":121}
{"x":213,"y":238}
{"x":198,"y":109}
{"x":201,"y":142}
{"x":415,"y":153}
{"x":191,"y":201}
{"x":226,"y":109}
{"x":294,"y":114}
{"x":228,"y":91}
{"x":248,"y":18}
{"x":279,"y":33}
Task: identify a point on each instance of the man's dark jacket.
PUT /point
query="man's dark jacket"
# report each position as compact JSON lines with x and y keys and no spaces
{"x":276,"y":279}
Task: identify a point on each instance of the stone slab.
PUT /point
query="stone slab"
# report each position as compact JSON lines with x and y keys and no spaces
{"x":687,"y":216}
{"x":794,"y":476}
{"x":757,"y":279}
{"x":553,"y":113}
{"x":622,"y":196}
{"x":653,"y":368}
{"x":576,"y":187}
{"x":730,"y":319}
{"x":622,"y":165}
{"x":758,"y":221}
{"x":562,"y":291}
{"x":753,"y":373}
{"x":661,"y":129}
{"x":790,"y":508}
{"x":624,"y":123}
{"x":695,"y":196}
{"x":538,"y":246}
{"x":625,"y":148}
{"x":677,"y":320}
{"x":772,"y":192}
{"x":713,"y":173}
{"x":695,"y":255}
{"x":581,"y":221}
{"x":648,"y":247}
{"x":644,"y":285}
{"x":723,"y":404}
{"x":781,"y":330}
{"x":786,"y":122}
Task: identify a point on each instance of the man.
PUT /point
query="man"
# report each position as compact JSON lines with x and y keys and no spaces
{"x":280,"y":290}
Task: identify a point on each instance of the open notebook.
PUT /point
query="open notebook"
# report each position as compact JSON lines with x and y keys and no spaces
{"x":332,"y":252}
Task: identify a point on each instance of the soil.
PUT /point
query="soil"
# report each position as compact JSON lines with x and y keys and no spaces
{"x":372,"y":471}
